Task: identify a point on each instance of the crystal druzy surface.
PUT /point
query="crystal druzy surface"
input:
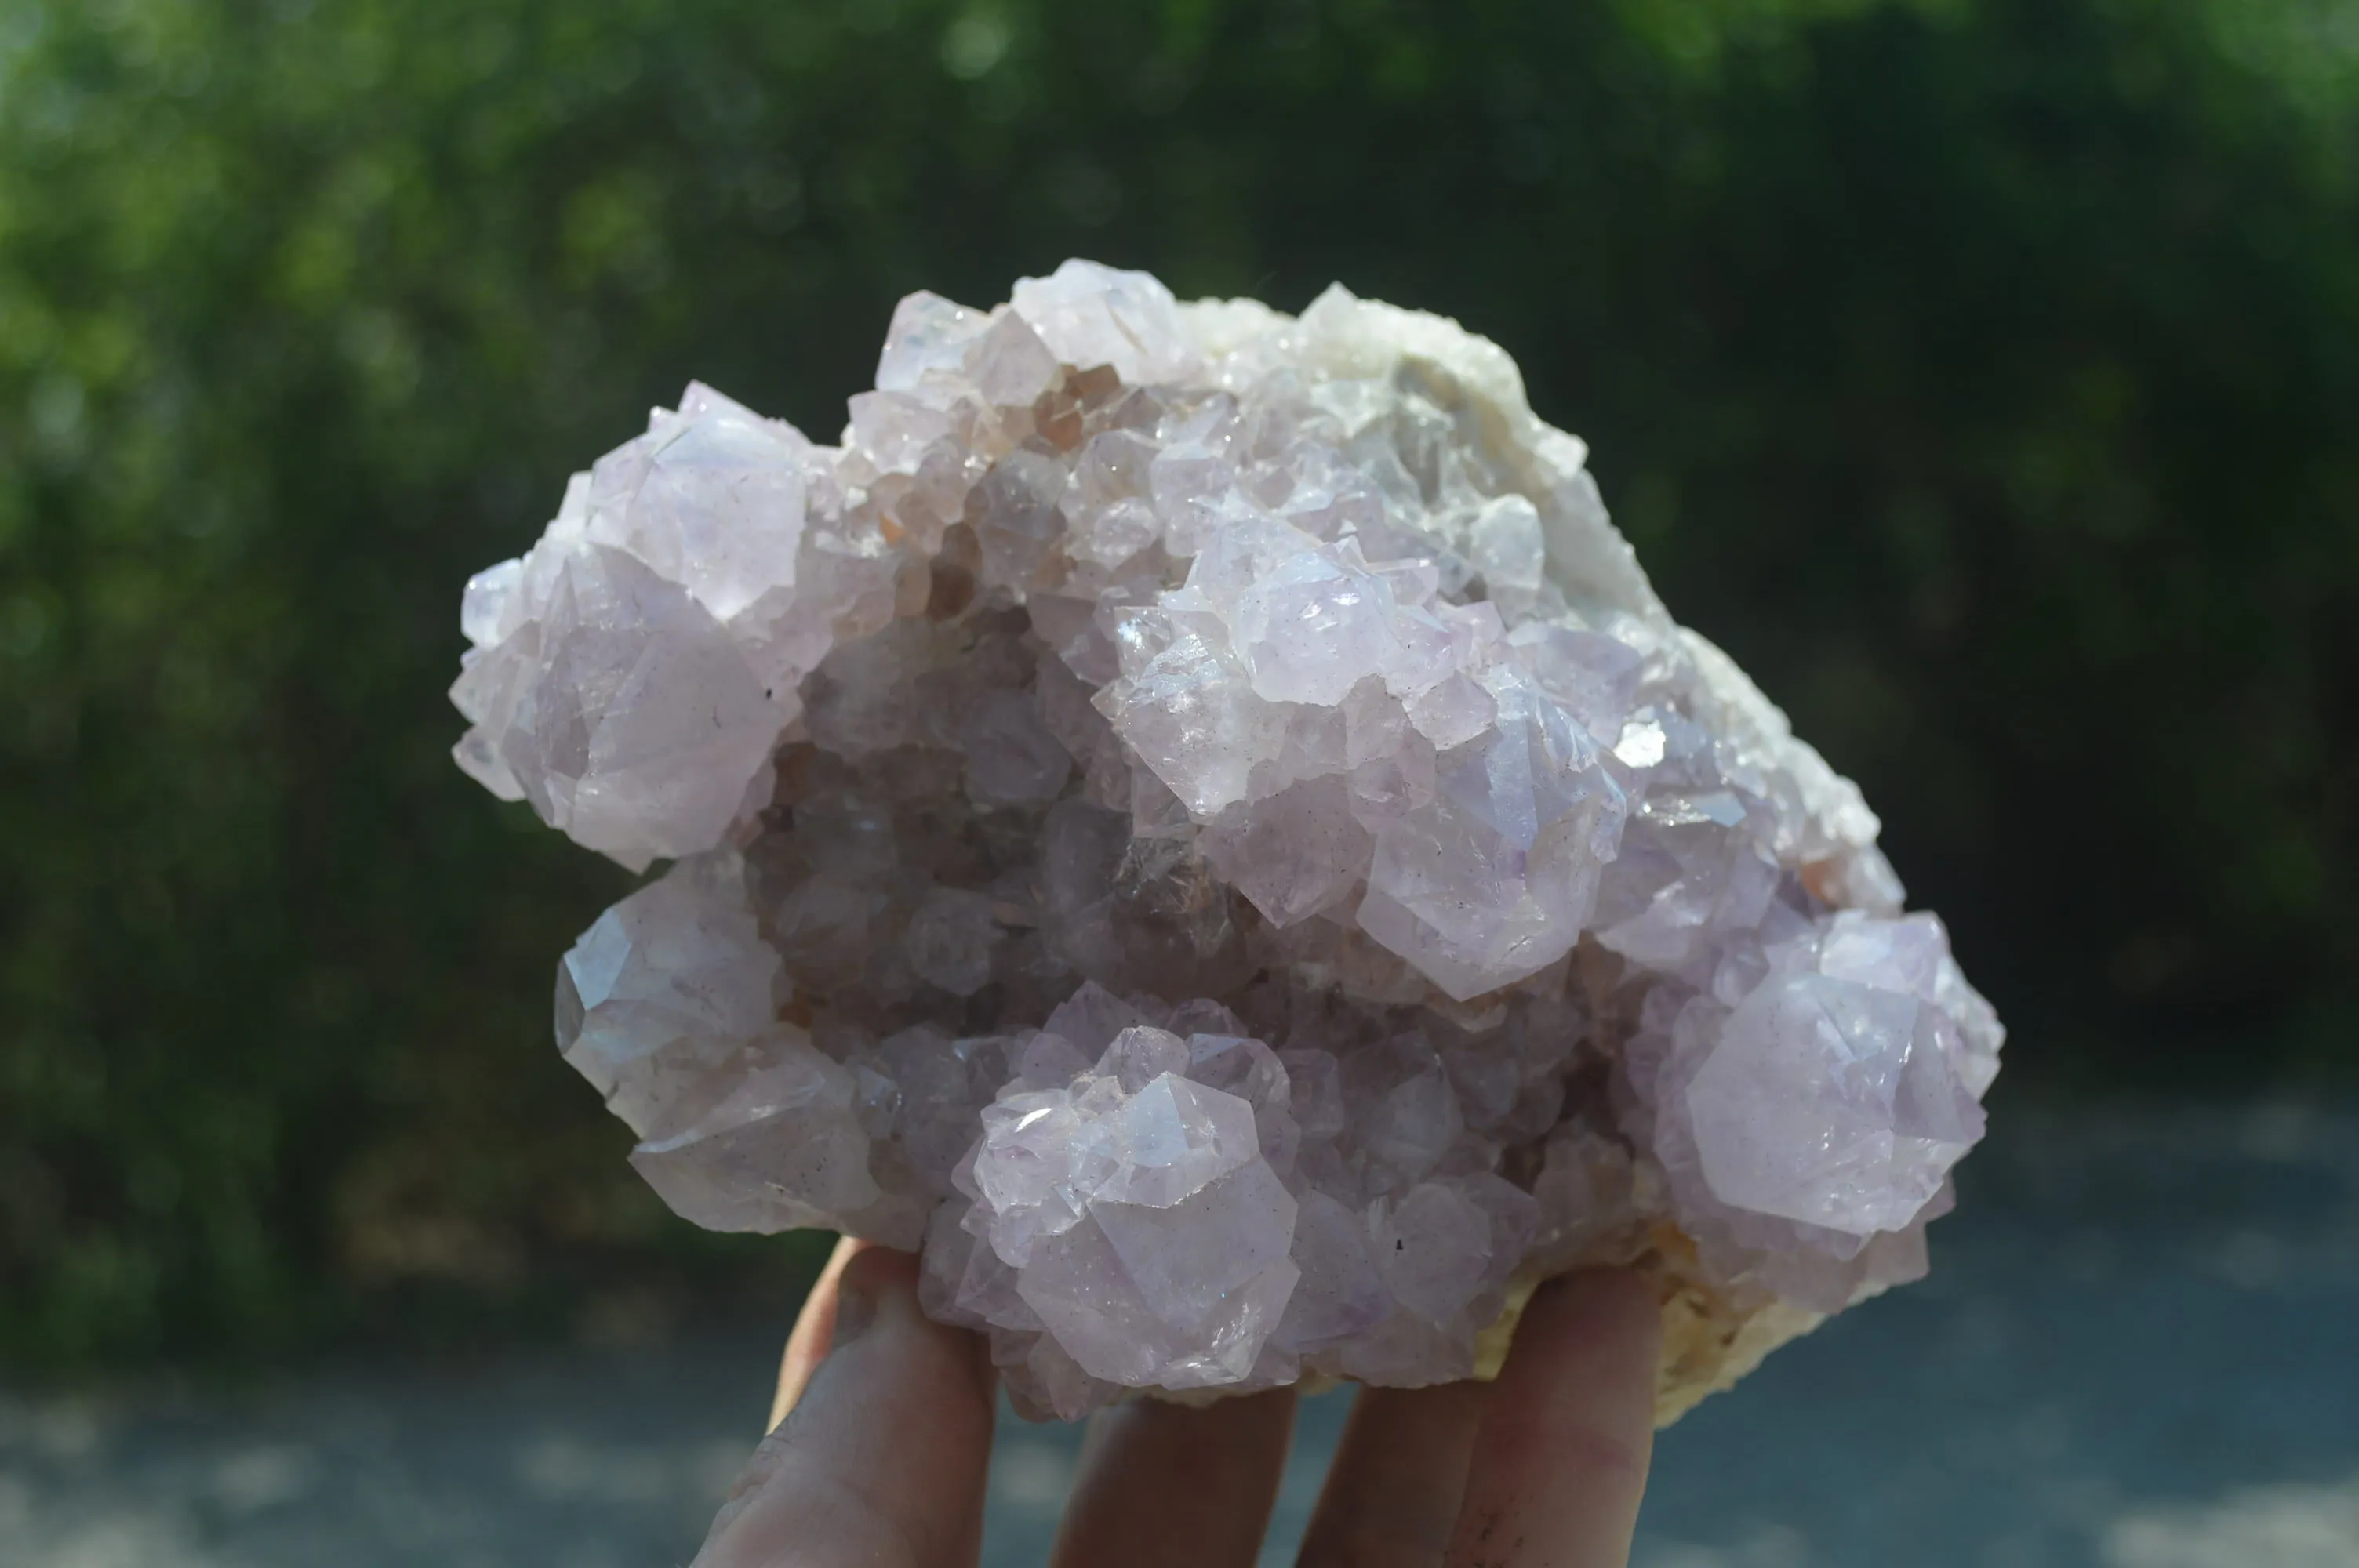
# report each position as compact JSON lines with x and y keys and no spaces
{"x":1193,"y":817}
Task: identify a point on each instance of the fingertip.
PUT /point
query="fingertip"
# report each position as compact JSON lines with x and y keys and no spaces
{"x":814,"y":1330}
{"x":884,"y":1456}
{"x":1611,"y":1307}
{"x":1579,"y":1380}
{"x":879,"y":1286}
{"x":1560,"y":1464}
{"x":872,"y":1274}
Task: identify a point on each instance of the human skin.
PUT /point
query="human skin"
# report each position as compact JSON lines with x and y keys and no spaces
{"x":881,"y":1442}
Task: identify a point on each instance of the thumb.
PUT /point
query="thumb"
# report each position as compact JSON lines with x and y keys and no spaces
{"x":883,"y":1458}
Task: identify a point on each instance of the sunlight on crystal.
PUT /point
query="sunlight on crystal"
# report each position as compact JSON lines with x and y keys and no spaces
{"x":1194,"y":819}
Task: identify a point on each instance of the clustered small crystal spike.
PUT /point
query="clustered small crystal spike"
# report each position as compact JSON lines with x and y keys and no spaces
{"x":1193,"y":817}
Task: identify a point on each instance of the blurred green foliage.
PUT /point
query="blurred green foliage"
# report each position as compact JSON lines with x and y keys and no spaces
{"x":1983,"y":373}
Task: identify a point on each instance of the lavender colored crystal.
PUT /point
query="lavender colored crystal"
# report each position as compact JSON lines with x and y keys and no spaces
{"x":1193,"y":818}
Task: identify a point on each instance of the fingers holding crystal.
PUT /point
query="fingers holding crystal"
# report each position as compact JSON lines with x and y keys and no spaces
{"x":883,"y":1458}
{"x":1165,"y":1487}
{"x":1561,"y":1462}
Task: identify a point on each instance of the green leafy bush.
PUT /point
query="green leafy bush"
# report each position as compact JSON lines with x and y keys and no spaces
{"x":1982,"y":374}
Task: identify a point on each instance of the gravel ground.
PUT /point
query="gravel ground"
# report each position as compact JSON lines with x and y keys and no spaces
{"x":2139,"y":1349}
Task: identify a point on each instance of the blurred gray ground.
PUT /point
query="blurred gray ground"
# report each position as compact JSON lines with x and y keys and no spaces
{"x":2139,"y":1349}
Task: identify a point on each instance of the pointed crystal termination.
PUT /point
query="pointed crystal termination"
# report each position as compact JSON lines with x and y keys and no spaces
{"x":1192,"y":817}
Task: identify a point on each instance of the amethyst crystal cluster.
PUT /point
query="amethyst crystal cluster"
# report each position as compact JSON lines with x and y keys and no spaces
{"x":1192,"y":819}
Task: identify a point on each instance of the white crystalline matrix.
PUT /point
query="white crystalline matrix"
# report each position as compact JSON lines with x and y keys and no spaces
{"x":1193,"y":817}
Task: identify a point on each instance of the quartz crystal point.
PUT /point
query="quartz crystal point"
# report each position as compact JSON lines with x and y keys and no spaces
{"x":1193,"y":818}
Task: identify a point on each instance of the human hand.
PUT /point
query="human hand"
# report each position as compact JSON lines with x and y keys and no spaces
{"x":881,"y":1440}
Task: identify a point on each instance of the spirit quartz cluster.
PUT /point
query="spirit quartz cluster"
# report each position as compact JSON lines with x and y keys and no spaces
{"x":1192,"y":819}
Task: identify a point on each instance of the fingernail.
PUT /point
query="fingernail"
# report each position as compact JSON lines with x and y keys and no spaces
{"x":855,"y":1308}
